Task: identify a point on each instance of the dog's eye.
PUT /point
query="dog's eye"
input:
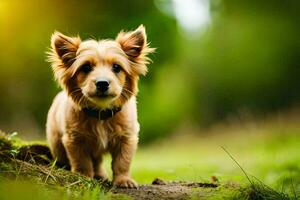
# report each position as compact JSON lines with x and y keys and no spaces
{"x":116,"y":68}
{"x":86,"y":68}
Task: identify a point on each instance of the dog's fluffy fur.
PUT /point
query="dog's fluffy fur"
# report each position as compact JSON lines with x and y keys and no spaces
{"x":77,"y":139}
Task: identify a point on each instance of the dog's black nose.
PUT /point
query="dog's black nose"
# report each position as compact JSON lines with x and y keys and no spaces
{"x":102,"y":85}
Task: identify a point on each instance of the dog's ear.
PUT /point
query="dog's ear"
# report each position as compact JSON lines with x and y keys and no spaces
{"x":64,"y":48}
{"x":134,"y":44}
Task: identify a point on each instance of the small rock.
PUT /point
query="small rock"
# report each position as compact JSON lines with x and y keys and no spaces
{"x":214,"y":179}
{"x":158,"y":181}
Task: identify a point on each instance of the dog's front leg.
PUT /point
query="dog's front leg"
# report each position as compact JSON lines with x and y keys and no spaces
{"x":122,"y":153}
{"x":79,"y":157}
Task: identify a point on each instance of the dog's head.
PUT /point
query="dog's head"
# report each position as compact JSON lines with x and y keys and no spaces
{"x":101,"y":74}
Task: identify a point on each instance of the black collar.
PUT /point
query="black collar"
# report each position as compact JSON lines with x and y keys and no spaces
{"x":101,"y":114}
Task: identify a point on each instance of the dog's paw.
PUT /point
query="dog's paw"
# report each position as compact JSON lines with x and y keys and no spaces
{"x":124,"y":182}
{"x":101,"y":177}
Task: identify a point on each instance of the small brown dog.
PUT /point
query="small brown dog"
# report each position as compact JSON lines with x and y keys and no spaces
{"x":96,"y":111}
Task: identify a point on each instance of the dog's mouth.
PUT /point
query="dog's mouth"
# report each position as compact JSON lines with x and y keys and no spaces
{"x":104,"y":96}
{"x":101,"y":95}
{"x":102,"y":100}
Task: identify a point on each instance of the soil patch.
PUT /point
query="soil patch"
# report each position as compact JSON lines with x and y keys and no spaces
{"x":162,"y":190}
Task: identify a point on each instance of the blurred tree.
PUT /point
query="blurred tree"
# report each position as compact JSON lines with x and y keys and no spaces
{"x":247,"y":59}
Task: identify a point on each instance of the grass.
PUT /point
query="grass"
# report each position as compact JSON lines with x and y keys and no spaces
{"x":268,"y":152}
{"x":257,"y":189}
{"x":37,"y":177}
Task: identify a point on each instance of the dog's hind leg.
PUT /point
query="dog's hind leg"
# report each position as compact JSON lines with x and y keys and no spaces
{"x":57,"y":149}
{"x":99,"y":171}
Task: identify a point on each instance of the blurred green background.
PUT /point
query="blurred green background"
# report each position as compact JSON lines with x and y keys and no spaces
{"x":215,"y":59}
{"x":225,"y":73}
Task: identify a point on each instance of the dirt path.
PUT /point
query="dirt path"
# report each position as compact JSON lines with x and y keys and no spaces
{"x":161,"y":190}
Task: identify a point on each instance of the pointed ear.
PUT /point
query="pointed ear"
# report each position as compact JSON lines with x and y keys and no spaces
{"x":64,"y":48}
{"x":135,"y":46}
{"x":133,"y":42}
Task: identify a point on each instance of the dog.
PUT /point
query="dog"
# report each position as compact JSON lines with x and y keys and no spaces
{"x":95,"y":113}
